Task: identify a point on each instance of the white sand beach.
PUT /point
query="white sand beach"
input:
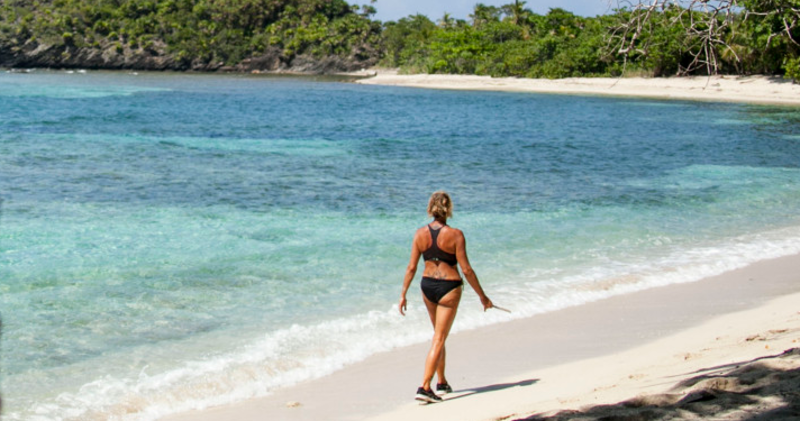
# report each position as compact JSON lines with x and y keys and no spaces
{"x":692,"y":350}
{"x":751,"y":89}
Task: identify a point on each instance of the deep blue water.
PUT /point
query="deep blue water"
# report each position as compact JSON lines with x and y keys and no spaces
{"x":171,"y":241}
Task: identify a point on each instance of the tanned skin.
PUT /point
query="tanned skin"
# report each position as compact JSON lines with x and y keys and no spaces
{"x":442,"y":314}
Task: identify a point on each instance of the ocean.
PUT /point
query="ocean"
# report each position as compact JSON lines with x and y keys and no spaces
{"x":178,"y":241}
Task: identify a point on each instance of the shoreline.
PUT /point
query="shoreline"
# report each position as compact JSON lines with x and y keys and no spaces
{"x":747,"y":89}
{"x":602,"y":352}
{"x":756,"y":89}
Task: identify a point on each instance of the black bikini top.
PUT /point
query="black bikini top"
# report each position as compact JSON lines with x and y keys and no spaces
{"x":435,"y":253}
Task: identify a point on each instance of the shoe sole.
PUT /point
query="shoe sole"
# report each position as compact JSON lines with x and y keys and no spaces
{"x":426,"y":399}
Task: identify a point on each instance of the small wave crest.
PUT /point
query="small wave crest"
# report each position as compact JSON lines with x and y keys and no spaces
{"x":278,"y":359}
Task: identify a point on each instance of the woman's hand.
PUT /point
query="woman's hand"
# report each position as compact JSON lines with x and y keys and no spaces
{"x":487,"y":303}
{"x":403,"y":306}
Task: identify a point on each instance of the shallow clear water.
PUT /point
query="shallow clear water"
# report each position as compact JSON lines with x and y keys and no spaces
{"x":178,"y":241}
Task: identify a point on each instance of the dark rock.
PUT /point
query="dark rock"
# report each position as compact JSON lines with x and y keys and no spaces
{"x":109,"y":55}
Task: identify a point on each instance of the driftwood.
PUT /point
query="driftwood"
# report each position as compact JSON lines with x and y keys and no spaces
{"x":707,"y":25}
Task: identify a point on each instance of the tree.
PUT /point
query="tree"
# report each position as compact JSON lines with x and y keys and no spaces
{"x":705,"y":28}
{"x":516,"y":12}
{"x":406,"y":41}
{"x":775,"y":26}
{"x":783,"y":17}
{"x":447,"y":21}
{"x":483,"y":14}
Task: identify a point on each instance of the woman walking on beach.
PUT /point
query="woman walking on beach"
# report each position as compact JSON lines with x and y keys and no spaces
{"x":443,"y":248}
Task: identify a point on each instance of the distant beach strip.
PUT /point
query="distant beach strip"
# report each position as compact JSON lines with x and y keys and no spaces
{"x":748,"y":89}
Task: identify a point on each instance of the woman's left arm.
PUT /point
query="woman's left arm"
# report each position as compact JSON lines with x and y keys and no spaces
{"x":469,"y":273}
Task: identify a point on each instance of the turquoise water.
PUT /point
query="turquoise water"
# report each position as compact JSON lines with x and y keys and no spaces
{"x":170,"y":242}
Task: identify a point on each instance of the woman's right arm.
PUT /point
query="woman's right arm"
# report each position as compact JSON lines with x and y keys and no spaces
{"x":411,"y":270}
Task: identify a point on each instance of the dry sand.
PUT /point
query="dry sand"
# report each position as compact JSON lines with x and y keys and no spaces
{"x":673,"y":350}
{"x":752,"y":89}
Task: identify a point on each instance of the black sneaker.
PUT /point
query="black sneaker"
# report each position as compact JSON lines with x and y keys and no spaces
{"x":427,"y":396}
{"x":443,"y":388}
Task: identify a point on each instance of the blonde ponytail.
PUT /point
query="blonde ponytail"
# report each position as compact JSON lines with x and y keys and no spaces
{"x":440,"y":206}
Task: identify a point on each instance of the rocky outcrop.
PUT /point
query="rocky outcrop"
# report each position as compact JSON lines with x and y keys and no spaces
{"x":109,"y":56}
{"x":116,"y":56}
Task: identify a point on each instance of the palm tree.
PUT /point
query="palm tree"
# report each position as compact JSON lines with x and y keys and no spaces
{"x":447,"y":21}
{"x":483,"y":14}
{"x":517,"y":12}
{"x":518,"y":15}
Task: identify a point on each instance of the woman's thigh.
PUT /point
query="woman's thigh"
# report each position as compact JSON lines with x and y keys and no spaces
{"x":450,"y":300}
{"x":445,"y":313}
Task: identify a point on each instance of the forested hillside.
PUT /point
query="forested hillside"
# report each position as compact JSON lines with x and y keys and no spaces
{"x":300,"y":35}
{"x":649,"y":38}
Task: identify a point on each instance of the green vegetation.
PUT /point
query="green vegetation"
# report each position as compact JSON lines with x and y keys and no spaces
{"x":508,"y":41}
{"x":196,"y":32}
{"x":654,"y":37}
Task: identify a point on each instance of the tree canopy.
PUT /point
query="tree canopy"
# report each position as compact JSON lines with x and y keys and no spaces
{"x":654,"y":37}
{"x":195,"y":32}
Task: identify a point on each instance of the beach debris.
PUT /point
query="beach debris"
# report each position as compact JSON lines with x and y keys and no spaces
{"x":293,"y":404}
{"x":772,"y":334}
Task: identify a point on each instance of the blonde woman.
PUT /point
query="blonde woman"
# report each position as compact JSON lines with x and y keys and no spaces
{"x":444,"y":249}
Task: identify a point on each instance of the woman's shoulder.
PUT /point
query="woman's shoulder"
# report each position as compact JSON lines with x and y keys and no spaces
{"x":454,"y":231}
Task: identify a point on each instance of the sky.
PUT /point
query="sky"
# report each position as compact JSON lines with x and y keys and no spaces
{"x":461,"y":9}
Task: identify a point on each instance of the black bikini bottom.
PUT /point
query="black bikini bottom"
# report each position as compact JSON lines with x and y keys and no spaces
{"x":435,"y":289}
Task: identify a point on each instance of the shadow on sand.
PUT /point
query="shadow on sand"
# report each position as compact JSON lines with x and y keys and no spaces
{"x":463,"y":393}
{"x":762,"y":389}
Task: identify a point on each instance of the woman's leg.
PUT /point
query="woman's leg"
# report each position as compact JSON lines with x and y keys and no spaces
{"x":441,"y":363}
{"x":442,"y":316}
{"x":440,"y":378}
